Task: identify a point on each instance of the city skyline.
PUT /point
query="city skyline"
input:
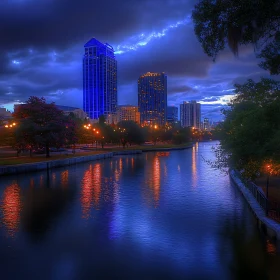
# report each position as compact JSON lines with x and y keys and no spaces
{"x":49,"y":64}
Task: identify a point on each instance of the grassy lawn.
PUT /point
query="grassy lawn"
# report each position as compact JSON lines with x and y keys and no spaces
{"x":9,"y":156}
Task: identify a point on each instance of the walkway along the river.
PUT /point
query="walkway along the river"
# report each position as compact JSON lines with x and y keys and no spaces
{"x":46,"y":165}
{"x":269,"y":226}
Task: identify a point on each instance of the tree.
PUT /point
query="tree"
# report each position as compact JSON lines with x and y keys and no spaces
{"x":7,"y":136}
{"x":25,"y":136}
{"x":218,"y":23}
{"x":131,"y":133}
{"x":42,"y":124}
{"x":182,"y":136}
{"x":250,"y":132}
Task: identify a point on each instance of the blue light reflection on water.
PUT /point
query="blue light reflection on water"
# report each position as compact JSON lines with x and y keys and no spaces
{"x":158,"y":214}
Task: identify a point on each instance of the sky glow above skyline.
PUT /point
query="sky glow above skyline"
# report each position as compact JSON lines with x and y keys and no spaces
{"x":40,"y":56}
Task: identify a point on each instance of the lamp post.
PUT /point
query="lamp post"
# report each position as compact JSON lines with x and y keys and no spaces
{"x":267,"y":183}
{"x":10,"y":136}
{"x":155,"y":133}
{"x":88,"y":126}
{"x":97,"y":132}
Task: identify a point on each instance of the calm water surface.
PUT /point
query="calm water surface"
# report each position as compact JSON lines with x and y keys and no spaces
{"x":164,"y":215}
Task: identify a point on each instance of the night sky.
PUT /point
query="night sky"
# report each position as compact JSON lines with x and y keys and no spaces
{"x":41,"y":51}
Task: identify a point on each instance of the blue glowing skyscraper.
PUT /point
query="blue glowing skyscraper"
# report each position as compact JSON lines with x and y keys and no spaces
{"x":152,"y":98}
{"x":99,"y":79}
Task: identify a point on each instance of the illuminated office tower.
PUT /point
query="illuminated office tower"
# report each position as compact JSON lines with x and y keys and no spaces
{"x":99,"y":79}
{"x":190,"y":113}
{"x":152,"y":98}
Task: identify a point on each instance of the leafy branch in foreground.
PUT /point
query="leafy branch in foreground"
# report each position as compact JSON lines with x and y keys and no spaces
{"x":218,"y":23}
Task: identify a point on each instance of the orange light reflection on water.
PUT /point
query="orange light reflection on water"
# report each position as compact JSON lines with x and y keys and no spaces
{"x":271,"y":248}
{"x":156,"y":179}
{"x":64,"y":178}
{"x":118,"y":170}
{"x":90,"y":189}
{"x":194,"y":165}
{"x":11,"y":207}
{"x":132,"y":162}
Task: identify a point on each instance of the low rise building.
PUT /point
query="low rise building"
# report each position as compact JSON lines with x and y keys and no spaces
{"x":79,"y":113}
{"x":128,"y":113}
{"x":4,"y":113}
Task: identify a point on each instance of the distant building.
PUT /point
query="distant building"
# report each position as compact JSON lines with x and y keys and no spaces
{"x":215,"y":124}
{"x":4,"y":113}
{"x":152,"y":98}
{"x":190,"y":113}
{"x":128,"y":113}
{"x":79,"y":113}
{"x":206,"y":124}
{"x":99,"y":79}
{"x":111,"y":119}
{"x":172,"y":114}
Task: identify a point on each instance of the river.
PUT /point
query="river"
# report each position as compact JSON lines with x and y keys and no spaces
{"x":159,"y":215}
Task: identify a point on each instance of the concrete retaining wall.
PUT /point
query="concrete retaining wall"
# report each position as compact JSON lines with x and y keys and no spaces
{"x":31,"y":167}
{"x":127,"y":152}
{"x":269,"y":226}
{"x":166,"y":149}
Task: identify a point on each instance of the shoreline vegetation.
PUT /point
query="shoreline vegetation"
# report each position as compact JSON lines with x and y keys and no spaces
{"x":12,"y":160}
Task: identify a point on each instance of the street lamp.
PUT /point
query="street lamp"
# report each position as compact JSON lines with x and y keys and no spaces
{"x":97,"y":132}
{"x":10,"y":125}
{"x":267,"y":183}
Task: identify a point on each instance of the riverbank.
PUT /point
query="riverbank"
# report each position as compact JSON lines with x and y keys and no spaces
{"x":269,"y":226}
{"x":44,"y":164}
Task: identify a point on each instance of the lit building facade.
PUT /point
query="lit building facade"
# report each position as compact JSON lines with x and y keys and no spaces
{"x":111,"y":119}
{"x":190,"y":113}
{"x":206,"y":124}
{"x":152,"y":98}
{"x":172,"y":114}
{"x":67,"y":110}
{"x":4,"y":113}
{"x":128,"y":113}
{"x":99,"y":79}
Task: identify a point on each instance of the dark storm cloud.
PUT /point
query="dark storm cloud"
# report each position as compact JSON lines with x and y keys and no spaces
{"x":180,"y":88}
{"x":58,"y":24}
{"x":212,"y":112}
{"x":42,"y":42}
{"x":177,"y":54}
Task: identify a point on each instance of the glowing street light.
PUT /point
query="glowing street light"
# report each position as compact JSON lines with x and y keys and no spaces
{"x":10,"y":125}
{"x":268,"y":166}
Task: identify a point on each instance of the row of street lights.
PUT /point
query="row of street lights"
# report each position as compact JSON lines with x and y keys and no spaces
{"x":10,"y":125}
{"x":95,"y":133}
